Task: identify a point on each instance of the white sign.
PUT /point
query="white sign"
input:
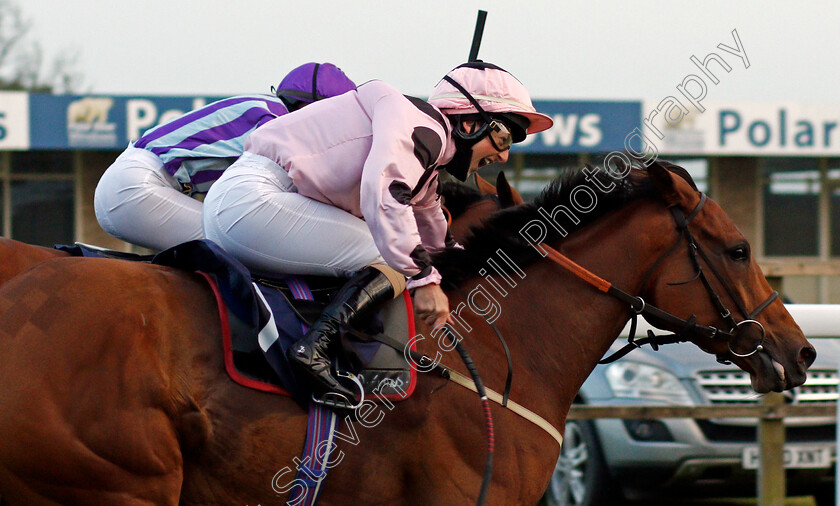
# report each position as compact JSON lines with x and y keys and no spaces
{"x":14,"y":120}
{"x":795,"y":457}
{"x":756,"y":129}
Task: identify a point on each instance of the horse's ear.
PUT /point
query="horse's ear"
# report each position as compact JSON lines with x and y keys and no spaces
{"x":484,"y":186}
{"x":508,"y":196}
{"x":676,"y":169}
{"x":665,"y":183}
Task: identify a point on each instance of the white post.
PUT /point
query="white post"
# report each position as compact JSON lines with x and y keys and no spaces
{"x":771,"y":442}
{"x":837,"y":450}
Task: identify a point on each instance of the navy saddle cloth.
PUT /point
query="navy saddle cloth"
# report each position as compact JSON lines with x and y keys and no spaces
{"x":266,"y":316}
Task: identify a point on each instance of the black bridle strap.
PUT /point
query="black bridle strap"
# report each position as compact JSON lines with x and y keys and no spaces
{"x":639,"y":306}
{"x":696,"y":209}
{"x":694,"y":250}
{"x":652,"y":339}
{"x":636,"y":303}
{"x":659,"y":260}
{"x":677,"y":241}
{"x":664,"y":316}
{"x":761,"y":307}
{"x":678,"y":337}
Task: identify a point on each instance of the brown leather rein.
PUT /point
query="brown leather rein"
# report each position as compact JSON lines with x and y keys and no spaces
{"x":688,"y":327}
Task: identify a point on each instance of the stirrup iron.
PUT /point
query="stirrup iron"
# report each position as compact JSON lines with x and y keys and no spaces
{"x":339,"y":401}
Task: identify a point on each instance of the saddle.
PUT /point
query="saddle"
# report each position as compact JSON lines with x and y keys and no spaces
{"x":261,"y":318}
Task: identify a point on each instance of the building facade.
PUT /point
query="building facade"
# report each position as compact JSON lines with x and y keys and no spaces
{"x":774,"y":167}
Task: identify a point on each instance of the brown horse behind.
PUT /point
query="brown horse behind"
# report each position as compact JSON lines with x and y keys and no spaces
{"x":469,"y":208}
{"x":18,"y":257}
{"x":113,"y":390}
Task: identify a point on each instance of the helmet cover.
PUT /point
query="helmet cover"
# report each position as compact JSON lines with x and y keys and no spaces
{"x":314,"y":81}
{"x":495,"y":90}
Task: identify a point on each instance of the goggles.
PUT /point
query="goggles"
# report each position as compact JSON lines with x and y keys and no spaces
{"x":500,"y":135}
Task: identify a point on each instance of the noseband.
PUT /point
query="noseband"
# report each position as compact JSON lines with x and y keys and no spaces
{"x":688,"y":327}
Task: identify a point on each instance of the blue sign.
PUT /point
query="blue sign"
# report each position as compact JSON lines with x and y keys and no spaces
{"x":100,"y":121}
{"x":584,"y":127}
{"x":110,"y":122}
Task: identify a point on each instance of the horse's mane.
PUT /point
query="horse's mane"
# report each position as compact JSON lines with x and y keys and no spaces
{"x":501,"y":229}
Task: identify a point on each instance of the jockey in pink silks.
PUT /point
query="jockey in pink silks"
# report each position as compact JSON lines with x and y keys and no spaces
{"x":348,"y":186}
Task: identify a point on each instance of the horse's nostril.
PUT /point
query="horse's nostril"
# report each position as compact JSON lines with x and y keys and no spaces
{"x":807,"y":355}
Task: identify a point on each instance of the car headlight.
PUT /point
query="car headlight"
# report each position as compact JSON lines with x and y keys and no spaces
{"x":642,"y":381}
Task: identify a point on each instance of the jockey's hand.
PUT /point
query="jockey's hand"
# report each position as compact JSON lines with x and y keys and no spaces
{"x":432,"y":306}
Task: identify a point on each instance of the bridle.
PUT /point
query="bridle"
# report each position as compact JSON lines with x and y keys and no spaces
{"x":688,"y":327}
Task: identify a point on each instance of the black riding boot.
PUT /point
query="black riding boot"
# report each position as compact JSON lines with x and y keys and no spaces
{"x":356,"y":300}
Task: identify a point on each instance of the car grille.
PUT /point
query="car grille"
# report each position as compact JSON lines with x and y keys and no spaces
{"x":727,"y":387}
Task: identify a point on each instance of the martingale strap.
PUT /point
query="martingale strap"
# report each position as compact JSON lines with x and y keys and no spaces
{"x":520,"y":410}
{"x":652,"y":339}
{"x":501,"y":400}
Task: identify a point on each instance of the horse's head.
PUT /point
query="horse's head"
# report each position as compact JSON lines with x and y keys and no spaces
{"x":686,"y":259}
{"x":707,"y":275}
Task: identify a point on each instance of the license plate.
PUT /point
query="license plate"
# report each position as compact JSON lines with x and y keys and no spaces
{"x":796,"y":457}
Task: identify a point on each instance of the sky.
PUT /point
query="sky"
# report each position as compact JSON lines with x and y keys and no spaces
{"x":602,"y":50}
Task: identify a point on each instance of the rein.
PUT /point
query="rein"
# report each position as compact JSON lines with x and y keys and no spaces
{"x":686,"y":326}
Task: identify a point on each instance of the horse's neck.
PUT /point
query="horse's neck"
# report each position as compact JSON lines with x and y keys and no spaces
{"x":556,"y":325}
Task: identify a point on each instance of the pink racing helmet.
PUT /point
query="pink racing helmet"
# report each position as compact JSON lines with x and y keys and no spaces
{"x":492,"y":88}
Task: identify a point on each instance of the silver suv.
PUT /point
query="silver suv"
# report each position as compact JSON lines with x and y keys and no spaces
{"x":605,"y":460}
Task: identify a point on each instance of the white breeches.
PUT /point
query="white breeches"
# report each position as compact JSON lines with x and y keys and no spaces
{"x":255,"y":213}
{"x":137,"y":201}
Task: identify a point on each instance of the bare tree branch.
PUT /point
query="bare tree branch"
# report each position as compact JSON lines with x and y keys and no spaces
{"x":22,"y":60}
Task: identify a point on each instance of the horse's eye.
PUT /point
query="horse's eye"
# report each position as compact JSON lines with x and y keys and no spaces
{"x":740,"y":253}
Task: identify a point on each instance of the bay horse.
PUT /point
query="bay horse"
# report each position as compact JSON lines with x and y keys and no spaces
{"x":113,"y":388}
{"x":18,"y":256}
